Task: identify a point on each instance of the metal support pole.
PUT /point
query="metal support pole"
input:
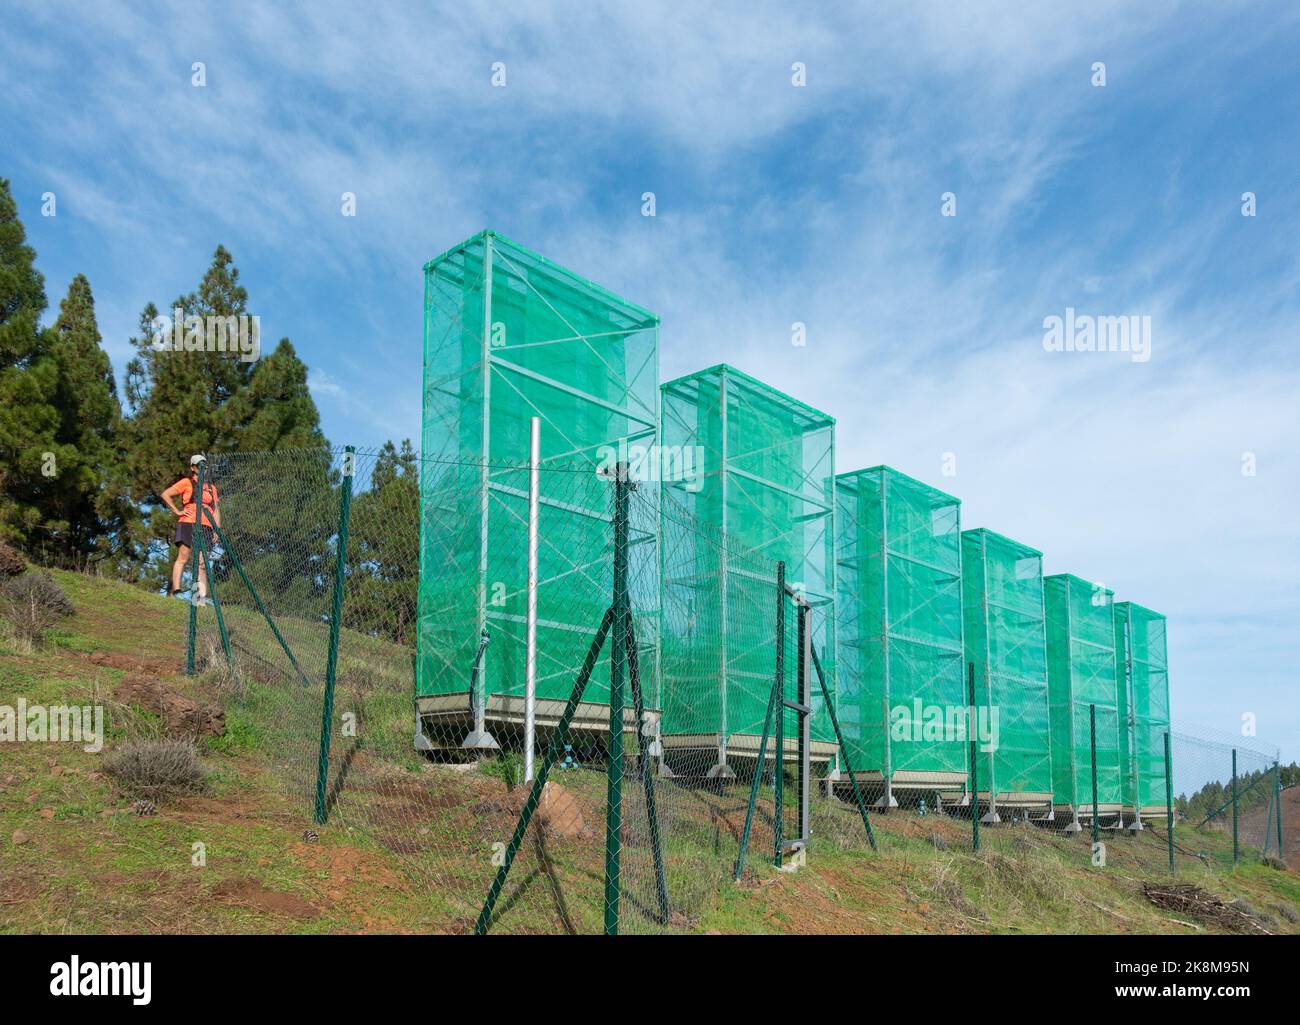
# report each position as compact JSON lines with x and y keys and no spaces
{"x":974,"y":762}
{"x":778,"y":838}
{"x":1236,"y":845}
{"x":479,"y":736}
{"x":530,"y":613}
{"x":887,"y":799}
{"x":1169,"y":800}
{"x":1092,"y":746}
{"x":805,"y":720}
{"x":722,"y":770}
{"x":336,"y":616}
{"x":194,"y":576}
{"x":617,"y":665}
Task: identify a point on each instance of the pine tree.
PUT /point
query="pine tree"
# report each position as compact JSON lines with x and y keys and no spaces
{"x":88,"y":511}
{"x":177,"y":398}
{"x":22,"y":288}
{"x":182,"y":402}
{"x":28,"y":381}
{"x":275,"y":411}
{"x":383,"y":548}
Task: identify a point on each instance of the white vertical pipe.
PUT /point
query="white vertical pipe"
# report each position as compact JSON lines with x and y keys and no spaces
{"x":530,"y":629}
{"x":480,"y":699}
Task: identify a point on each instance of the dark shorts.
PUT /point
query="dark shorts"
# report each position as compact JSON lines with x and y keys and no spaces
{"x":185,"y":536}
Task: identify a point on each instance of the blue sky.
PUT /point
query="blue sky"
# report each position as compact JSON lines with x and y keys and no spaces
{"x":775,"y":204}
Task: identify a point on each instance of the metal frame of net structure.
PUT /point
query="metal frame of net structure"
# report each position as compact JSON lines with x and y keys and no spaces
{"x":1083,"y":688}
{"x":898,"y":556}
{"x":1006,"y":642}
{"x":764,"y":482}
{"x":1142,"y":657}
{"x":510,"y":336}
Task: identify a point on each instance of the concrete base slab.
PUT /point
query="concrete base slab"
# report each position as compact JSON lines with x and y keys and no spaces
{"x":477,"y":740}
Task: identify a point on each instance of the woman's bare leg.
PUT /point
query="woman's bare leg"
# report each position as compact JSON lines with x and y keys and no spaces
{"x":178,"y":567}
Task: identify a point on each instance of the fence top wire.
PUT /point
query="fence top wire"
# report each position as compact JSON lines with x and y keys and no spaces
{"x":674,"y":516}
{"x":1225,"y":742}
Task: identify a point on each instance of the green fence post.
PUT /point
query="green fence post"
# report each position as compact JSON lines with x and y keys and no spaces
{"x":801,"y":613}
{"x":778,"y":825}
{"x":617,"y":658}
{"x":336,"y":616}
{"x":194,"y":575}
{"x":1236,"y":845}
{"x":1277,"y":768}
{"x":200,"y":540}
{"x":1169,"y":799}
{"x":1092,"y":745}
{"x":974,"y":768}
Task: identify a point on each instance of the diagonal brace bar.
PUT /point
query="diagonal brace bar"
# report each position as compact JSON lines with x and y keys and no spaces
{"x":758,"y":775}
{"x":844,"y":751}
{"x":257,"y":598}
{"x":553,"y":750}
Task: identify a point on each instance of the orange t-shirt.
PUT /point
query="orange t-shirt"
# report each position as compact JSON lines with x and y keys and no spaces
{"x":185,"y":491}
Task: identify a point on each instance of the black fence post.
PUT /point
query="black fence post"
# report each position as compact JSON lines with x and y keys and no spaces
{"x":1236,"y":844}
{"x":974,"y":759}
{"x":1092,"y":745}
{"x":778,"y":825}
{"x":1169,"y":800}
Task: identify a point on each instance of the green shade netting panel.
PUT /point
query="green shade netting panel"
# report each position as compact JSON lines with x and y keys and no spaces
{"x":1002,"y":588}
{"x":1081,"y":672}
{"x":1142,"y":658}
{"x":764,"y":494}
{"x":508,"y":335}
{"x":900,"y":619}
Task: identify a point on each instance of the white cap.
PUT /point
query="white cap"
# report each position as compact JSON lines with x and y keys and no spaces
{"x":195,"y":460}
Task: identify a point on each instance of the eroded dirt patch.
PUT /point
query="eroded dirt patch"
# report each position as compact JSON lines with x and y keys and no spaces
{"x":344,"y":868}
{"x":132,"y":663}
{"x":184,"y":717}
{"x":246,"y":892}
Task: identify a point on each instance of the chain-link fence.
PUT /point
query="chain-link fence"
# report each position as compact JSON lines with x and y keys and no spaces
{"x":383,"y":658}
{"x":434,"y":677}
{"x":1227,"y":793}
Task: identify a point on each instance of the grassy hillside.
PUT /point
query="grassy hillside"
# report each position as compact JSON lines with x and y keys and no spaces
{"x":408,"y":844}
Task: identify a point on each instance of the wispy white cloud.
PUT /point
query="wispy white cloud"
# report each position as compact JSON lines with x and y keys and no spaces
{"x":776,"y":205}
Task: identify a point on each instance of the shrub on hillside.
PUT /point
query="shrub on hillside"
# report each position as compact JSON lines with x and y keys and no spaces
{"x":156,"y":769}
{"x":11,"y":563}
{"x":31,"y":602}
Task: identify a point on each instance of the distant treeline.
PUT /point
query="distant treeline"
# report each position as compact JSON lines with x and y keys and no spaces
{"x":1214,"y":799}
